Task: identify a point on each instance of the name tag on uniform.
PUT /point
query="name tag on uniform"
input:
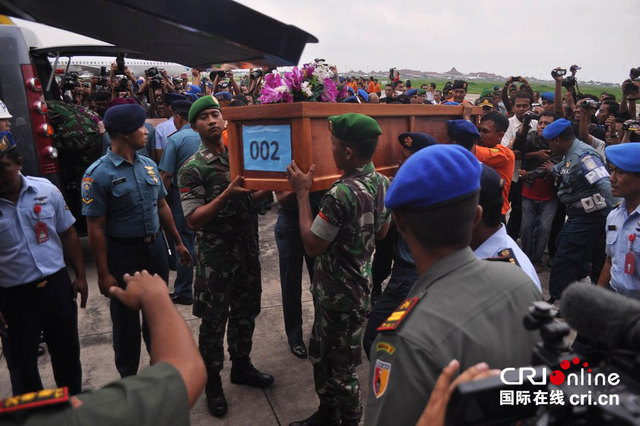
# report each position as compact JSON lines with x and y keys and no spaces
{"x":42,"y":233}
{"x":118,"y":181}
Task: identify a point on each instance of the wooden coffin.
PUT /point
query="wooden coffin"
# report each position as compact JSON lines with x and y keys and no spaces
{"x":264,"y":138}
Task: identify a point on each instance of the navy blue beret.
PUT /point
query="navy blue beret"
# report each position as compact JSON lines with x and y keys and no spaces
{"x":415,"y":141}
{"x":124,"y":118}
{"x":172,"y":97}
{"x":547,"y":96}
{"x":183,"y":106}
{"x":554,"y":129}
{"x":222,"y":96}
{"x":625,"y":156}
{"x":462,"y":129}
{"x":412,"y":92}
{"x":351,"y":100}
{"x":434,"y":175}
{"x":350,"y":89}
{"x":363,"y":93}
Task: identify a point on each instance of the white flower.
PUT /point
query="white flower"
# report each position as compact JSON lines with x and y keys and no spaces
{"x":282,"y":89}
{"x":306,"y":89}
{"x":322,"y":71}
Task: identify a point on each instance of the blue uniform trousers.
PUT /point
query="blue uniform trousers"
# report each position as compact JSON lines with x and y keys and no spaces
{"x":574,"y":249}
{"x":184,"y":273}
{"x":127,"y":259}
{"x":30,"y":309}
{"x":290,"y":255}
{"x":403,"y":276}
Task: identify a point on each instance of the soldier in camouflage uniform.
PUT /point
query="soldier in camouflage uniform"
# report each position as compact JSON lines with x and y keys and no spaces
{"x":342,"y":236}
{"x":227,"y":283}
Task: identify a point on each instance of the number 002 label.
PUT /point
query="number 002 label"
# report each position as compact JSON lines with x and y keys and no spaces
{"x":266,"y":147}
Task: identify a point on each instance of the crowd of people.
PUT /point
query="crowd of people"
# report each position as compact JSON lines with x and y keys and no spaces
{"x":557,"y":171}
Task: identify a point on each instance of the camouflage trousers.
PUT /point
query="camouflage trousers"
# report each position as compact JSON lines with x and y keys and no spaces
{"x":230,"y":292}
{"x":335,"y":351}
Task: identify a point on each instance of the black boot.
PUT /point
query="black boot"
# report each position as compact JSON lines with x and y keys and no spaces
{"x":244,"y":373}
{"x":325,"y":416}
{"x":216,"y":402}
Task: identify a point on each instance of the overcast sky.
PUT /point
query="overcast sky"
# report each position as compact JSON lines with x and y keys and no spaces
{"x":499,"y":36}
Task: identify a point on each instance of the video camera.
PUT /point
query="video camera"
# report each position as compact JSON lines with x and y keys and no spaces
{"x":589,"y":104}
{"x":632,"y":126}
{"x":590,"y":394}
{"x":156,"y":77}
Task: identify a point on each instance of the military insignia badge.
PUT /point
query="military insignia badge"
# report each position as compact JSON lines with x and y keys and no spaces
{"x":331,"y":126}
{"x":398,"y":315}
{"x":505,"y":255}
{"x":86,"y":190}
{"x":408,"y":142}
{"x":3,"y":145}
{"x":385,"y":347}
{"x":381,"y":373}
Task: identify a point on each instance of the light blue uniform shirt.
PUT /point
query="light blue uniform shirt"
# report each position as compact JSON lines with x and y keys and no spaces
{"x":180,"y":147}
{"x":495,"y":245}
{"x":126,"y":194}
{"x":620,"y":225}
{"x":23,"y":259}
{"x":582,"y":174}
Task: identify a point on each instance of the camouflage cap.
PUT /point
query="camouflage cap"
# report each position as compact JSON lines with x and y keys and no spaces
{"x":353,"y":126}
{"x":205,"y":102}
{"x":7,"y":143}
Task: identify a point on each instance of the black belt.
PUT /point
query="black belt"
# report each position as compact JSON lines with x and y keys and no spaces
{"x":147,"y":239}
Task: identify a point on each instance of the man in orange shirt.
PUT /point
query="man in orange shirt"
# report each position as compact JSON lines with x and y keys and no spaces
{"x":489,"y":150}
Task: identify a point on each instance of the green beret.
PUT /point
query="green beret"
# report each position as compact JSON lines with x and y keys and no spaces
{"x":352,"y":126}
{"x":205,"y":102}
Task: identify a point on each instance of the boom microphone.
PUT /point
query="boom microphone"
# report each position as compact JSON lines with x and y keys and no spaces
{"x":602,"y":316}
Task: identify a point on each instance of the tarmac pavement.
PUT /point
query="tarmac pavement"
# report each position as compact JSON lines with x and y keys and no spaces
{"x":292,"y":397}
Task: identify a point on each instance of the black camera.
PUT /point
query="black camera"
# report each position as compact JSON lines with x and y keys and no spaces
{"x":569,"y":81}
{"x":634,"y":74}
{"x":151,"y":72}
{"x":574,"y":69}
{"x":516,"y":78}
{"x":120,"y":64}
{"x":590,"y":394}
{"x":70,"y":81}
{"x":123,"y":85}
{"x":219,"y":73}
{"x":256,"y":73}
{"x":558,"y":72}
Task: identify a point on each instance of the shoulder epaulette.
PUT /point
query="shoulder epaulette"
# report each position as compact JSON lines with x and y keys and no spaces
{"x":32,"y":400}
{"x":505,"y":255}
{"x":399,"y":315}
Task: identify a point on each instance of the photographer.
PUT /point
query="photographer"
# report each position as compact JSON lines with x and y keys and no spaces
{"x":223,"y":86}
{"x":510,"y":89}
{"x":587,"y":108}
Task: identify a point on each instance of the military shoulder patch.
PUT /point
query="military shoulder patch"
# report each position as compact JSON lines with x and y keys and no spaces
{"x":28,"y":401}
{"x":505,"y":255}
{"x":86,"y":190}
{"x":397,"y":316}
{"x":381,"y":373}
{"x":386,"y":347}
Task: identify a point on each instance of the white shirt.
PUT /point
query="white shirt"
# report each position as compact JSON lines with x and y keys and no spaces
{"x":499,"y":241}
{"x":514,"y":126}
{"x":163,"y":130}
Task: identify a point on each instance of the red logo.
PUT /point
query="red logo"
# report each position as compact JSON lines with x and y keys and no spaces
{"x":557,"y":377}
